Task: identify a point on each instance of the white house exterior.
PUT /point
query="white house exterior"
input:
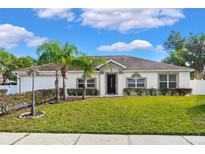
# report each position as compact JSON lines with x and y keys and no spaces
{"x":112,"y":77}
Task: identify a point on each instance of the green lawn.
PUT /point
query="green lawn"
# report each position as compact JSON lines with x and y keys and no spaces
{"x":123,"y":115}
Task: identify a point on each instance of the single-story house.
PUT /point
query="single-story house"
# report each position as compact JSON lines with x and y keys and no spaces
{"x":111,"y":77}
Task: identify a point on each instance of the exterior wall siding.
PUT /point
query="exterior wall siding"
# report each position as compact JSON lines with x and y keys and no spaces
{"x":41,"y":82}
{"x":184,"y":80}
{"x":47,"y":82}
{"x":151,"y":79}
{"x":102,"y":84}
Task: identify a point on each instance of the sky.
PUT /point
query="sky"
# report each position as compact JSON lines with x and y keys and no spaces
{"x":133,"y":32}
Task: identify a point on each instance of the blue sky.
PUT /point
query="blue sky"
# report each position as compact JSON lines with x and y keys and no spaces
{"x":136,"y":32}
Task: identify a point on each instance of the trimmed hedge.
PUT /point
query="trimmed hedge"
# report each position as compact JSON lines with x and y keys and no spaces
{"x":41,"y":95}
{"x":9,"y":102}
{"x":155,"y":92}
{"x":79,"y":92}
{"x":3,"y":91}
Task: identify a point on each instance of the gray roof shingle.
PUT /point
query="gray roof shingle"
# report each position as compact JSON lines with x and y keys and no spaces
{"x":131,"y":63}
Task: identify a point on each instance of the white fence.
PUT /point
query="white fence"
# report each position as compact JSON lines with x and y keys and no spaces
{"x":198,"y":87}
{"x":11,"y":89}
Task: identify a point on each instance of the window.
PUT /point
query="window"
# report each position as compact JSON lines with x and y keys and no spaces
{"x":163,"y":81}
{"x":140,"y":83}
{"x":167,"y":81}
{"x":80,"y":83}
{"x":172,"y":81}
{"x":131,"y":83}
{"x":90,"y":83}
{"x":135,"y":83}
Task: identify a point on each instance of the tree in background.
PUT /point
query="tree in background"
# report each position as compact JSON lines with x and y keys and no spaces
{"x":195,"y":53}
{"x":88,"y":65}
{"x":175,"y":46}
{"x":23,"y":62}
{"x":188,"y":51}
{"x":9,"y":63}
{"x":5,"y":60}
{"x":50,"y":52}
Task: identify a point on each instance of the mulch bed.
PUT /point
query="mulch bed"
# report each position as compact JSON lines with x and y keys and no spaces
{"x":27,"y":115}
{"x":70,"y":99}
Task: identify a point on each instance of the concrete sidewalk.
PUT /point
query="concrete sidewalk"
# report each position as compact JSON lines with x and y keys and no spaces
{"x":96,"y":139}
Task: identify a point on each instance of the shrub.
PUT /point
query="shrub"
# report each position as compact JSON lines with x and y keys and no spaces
{"x":40,"y":95}
{"x":154,"y":92}
{"x":9,"y":102}
{"x":140,"y":91}
{"x":92,"y":92}
{"x":163,"y":91}
{"x":79,"y":92}
{"x":184,"y":91}
{"x":127,"y":91}
{"x":3,"y":91}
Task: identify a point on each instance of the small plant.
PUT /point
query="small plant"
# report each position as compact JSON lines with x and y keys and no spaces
{"x":3,"y":91}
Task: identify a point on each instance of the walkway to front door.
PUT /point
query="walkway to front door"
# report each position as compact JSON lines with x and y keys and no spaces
{"x":111,"y":83}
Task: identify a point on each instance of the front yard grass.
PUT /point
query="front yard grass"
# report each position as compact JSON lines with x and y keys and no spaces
{"x":122,"y":115}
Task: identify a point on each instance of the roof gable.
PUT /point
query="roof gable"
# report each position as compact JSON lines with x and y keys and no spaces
{"x":111,"y":61}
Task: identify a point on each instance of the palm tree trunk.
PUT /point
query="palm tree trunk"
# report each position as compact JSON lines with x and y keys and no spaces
{"x":65,"y":96}
{"x":84,"y":87}
{"x":64,"y":72}
{"x":57,"y":86}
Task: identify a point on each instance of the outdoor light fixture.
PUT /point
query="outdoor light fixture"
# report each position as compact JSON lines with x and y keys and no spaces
{"x":33,"y":72}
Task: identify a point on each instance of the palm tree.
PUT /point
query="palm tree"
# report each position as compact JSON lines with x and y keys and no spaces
{"x":68,"y":54}
{"x":88,"y":65}
{"x":62,"y":56}
{"x":50,"y":52}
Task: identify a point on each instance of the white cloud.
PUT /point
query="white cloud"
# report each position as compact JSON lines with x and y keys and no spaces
{"x":122,"y":46}
{"x":57,"y":13}
{"x":11,"y":36}
{"x":159,"y":49}
{"x":35,"y":41}
{"x":128,"y":19}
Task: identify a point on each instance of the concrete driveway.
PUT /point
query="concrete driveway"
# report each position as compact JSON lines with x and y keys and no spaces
{"x":96,"y":139}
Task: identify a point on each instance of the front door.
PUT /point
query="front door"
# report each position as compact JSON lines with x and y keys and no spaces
{"x":111,"y":83}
